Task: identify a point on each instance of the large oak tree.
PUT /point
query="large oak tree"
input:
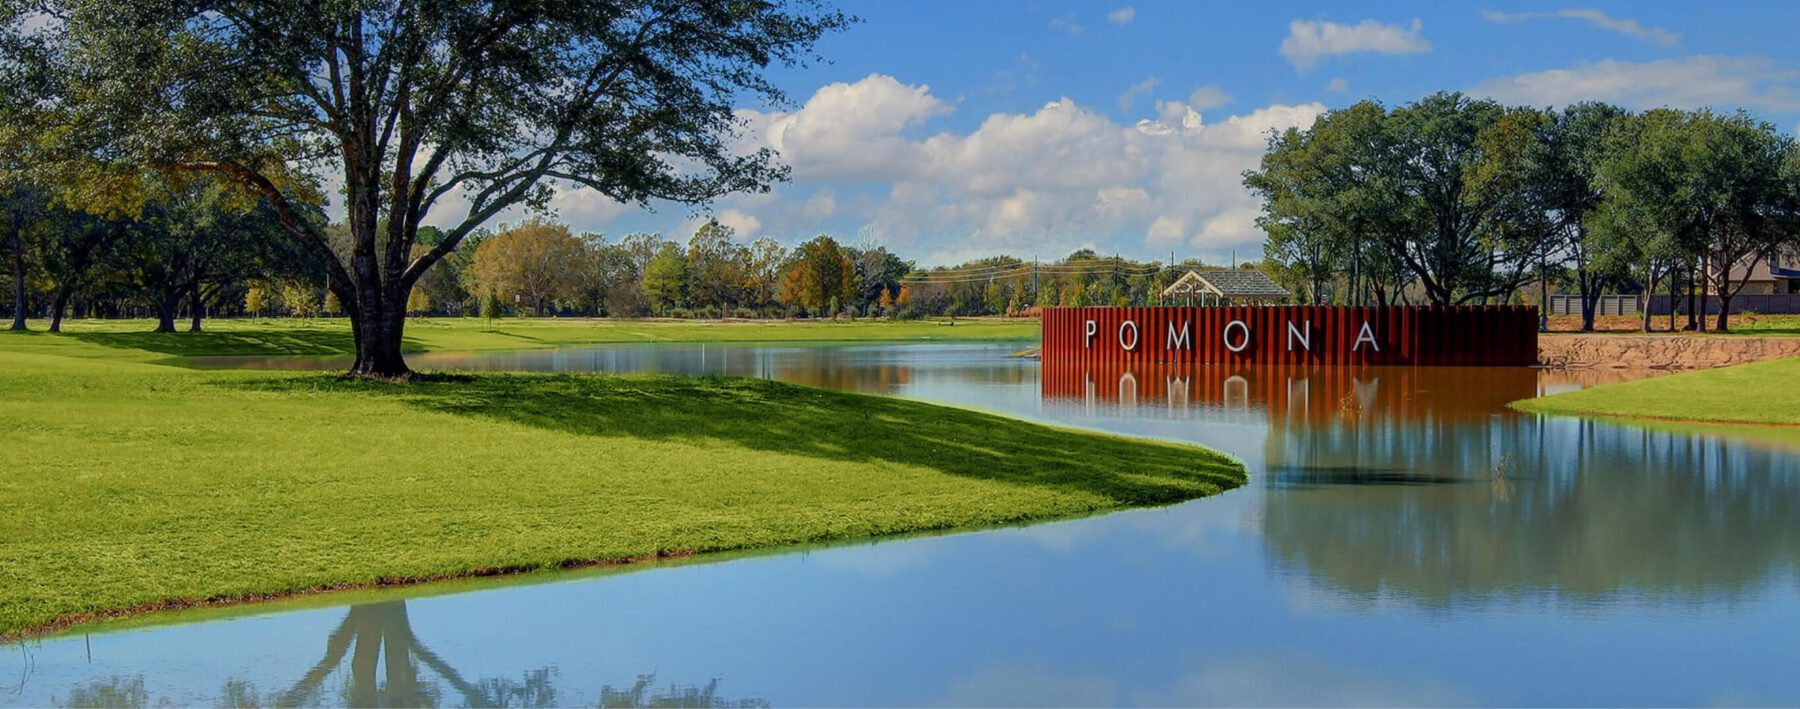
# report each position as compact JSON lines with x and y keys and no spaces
{"x":413,"y":105}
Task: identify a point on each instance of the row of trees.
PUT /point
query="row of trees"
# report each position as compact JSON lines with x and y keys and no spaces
{"x":171,"y":247}
{"x":542,"y":267}
{"x":1463,"y":201}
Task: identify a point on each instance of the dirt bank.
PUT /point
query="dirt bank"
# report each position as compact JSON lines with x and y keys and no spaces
{"x":1661,"y":351}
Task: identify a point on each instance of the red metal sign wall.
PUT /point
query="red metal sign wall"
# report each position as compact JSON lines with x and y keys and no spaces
{"x":1470,"y":336}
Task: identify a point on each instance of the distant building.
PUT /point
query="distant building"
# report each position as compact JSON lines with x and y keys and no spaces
{"x":1224,"y":286}
{"x":1775,"y":275}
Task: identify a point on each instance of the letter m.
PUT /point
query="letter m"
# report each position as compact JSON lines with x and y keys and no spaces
{"x":1182,"y":339}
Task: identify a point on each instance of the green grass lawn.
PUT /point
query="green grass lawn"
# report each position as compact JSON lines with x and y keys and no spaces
{"x":1760,"y":393}
{"x":131,"y":485}
{"x":331,"y":336}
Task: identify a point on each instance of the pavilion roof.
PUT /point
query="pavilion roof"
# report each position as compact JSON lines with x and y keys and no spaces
{"x":1235,"y":283}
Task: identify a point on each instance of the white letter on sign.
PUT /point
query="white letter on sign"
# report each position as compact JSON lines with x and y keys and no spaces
{"x":1304,"y":335}
{"x":1366,"y":335}
{"x":1181,"y":340}
{"x":1088,"y":342}
{"x":1134,"y":335}
{"x":1243,"y":341}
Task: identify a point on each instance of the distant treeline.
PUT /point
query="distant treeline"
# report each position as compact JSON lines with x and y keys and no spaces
{"x":184,"y":250}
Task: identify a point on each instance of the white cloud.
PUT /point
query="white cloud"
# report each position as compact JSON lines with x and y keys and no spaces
{"x":1633,"y":28}
{"x":1066,"y":25}
{"x":1338,"y":85}
{"x":585,"y":208}
{"x":1122,"y":16}
{"x":1688,"y":82}
{"x":1308,"y":40}
{"x":1208,"y":97}
{"x":1136,"y":91}
{"x":850,"y":131}
{"x":1048,"y":181}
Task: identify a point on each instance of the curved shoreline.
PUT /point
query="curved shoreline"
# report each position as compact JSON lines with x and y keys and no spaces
{"x":946,"y":489}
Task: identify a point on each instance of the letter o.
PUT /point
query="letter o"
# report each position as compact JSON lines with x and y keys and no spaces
{"x":1243,"y":341}
{"x":1134,"y":335}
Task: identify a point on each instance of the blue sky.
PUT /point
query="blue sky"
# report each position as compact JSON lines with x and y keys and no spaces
{"x":951,"y":130}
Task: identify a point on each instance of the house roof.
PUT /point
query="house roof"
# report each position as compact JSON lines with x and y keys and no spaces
{"x":1228,"y":283}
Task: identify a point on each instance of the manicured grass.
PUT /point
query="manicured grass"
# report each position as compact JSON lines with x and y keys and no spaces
{"x":131,"y":485}
{"x":1762,"y":393}
{"x":331,"y":336}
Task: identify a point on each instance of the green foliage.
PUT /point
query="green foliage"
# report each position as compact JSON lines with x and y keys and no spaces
{"x":666,"y":278}
{"x":819,"y":275}
{"x":537,"y":260}
{"x":492,"y":306}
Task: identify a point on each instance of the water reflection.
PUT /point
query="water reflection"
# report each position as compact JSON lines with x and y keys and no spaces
{"x":373,"y":658}
{"x":1405,"y":540}
{"x":1419,"y":482}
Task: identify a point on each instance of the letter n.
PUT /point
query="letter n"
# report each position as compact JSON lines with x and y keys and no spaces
{"x":1303,"y":334}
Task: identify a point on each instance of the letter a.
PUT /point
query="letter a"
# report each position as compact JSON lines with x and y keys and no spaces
{"x":1366,"y":335}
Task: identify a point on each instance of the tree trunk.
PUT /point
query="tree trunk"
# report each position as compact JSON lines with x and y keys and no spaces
{"x":1692,"y":324}
{"x":379,"y":328}
{"x":18,"y":254}
{"x":1724,"y":309}
{"x":1705,"y":282}
{"x":196,"y":307}
{"x":1673,"y":295}
{"x":57,"y":308}
{"x":1590,"y":298}
{"x":165,"y":311}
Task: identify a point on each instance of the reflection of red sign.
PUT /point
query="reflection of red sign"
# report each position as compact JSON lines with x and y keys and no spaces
{"x":1294,"y":334}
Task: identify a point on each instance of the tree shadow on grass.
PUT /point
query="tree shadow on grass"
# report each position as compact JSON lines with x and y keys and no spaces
{"x":233,"y":343}
{"x":785,"y":418}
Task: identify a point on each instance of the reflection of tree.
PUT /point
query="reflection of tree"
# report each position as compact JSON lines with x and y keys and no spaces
{"x":379,"y":639}
{"x":1419,"y":481}
{"x":642,"y":694}
{"x":390,"y":667}
{"x":111,"y":692}
{"x":1583,"y":510}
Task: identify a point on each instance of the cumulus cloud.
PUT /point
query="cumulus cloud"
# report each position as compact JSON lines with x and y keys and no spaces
{"x":1046,"y":181}
{"x":1208,"y":97}
{"x":1122,"y":16}
{"x":850,"y":131}
{"x":1688,"y":83}
{"x":1632,"y":28}
{"x":1137,"y":91}
{"x":1308,"y":41}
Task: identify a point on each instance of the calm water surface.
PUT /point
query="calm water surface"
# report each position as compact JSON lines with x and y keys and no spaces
{"x":1403,"y":540}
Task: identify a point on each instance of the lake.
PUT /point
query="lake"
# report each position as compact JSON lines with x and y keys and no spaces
{"x":1404,"y":540}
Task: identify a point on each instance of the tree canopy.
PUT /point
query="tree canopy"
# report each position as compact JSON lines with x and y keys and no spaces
{"x":410,"y":104}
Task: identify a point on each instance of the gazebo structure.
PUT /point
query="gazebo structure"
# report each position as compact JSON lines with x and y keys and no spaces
{"x":1225,"y":286}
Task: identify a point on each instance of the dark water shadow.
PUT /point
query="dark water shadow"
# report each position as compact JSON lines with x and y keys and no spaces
{"x":1353,"y":475}
{"x":784,"y":418}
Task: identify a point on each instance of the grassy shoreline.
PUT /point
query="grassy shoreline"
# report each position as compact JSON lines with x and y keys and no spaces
{"x":228,"y":337}
{"x":136,"y":486}
{"x":1744,"y":394}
